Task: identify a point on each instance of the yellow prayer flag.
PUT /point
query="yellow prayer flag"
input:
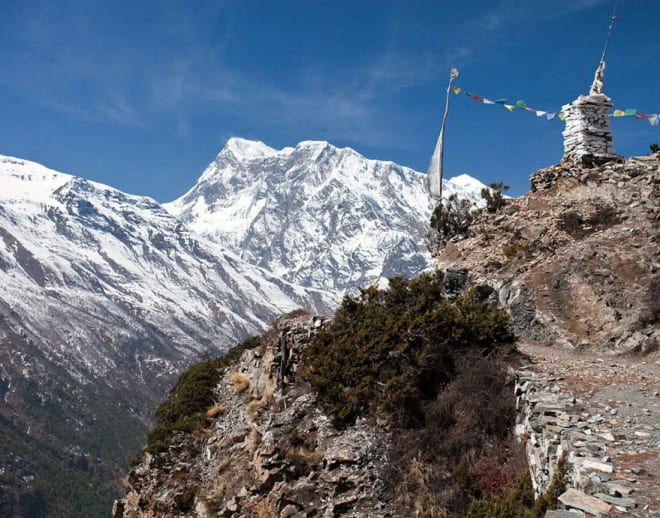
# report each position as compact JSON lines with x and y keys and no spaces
{"x":618,"y":113}
{"x":561,"y":115}
{"x":510,"y":107}
{"x":456,"y":90}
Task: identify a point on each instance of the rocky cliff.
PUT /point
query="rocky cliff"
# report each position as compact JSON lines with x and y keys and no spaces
{"x":574,"y":262}
{"x":270,"y":450}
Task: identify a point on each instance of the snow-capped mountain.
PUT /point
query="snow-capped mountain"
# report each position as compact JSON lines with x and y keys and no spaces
{"x":104,"y":298}
{"x":314,"y":214}
{"x":74,"y":249}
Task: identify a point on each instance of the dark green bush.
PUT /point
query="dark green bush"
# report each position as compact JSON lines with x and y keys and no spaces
{"x":393,"y":349}
{"x":654,"y":148}
{"x":450,"y":220}
{"x":191,"y":396}
{"x":494,"y":196}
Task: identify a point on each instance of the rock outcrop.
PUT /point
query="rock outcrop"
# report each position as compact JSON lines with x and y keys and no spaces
{"x":270,"y":452}
{"x":575,"y":260}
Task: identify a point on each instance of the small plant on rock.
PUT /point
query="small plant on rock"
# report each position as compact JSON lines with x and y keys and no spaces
{"x":494,"y":196}
{"x":450,"y":220}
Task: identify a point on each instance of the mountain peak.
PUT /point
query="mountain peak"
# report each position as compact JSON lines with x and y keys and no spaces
{"x":245,"y":149}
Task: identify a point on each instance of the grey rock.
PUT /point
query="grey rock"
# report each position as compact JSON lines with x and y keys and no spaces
{"x":575,"y":499}
{"x":616,"y":500}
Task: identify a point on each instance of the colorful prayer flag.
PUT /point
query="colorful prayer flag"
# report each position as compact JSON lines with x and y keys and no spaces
{"x":653,"y":118}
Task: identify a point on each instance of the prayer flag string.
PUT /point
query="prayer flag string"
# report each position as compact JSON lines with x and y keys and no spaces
{"x":652,"y":118}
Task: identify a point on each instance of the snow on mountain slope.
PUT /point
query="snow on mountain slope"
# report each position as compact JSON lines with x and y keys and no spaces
{"x":316,"y":215}
{"x":104,"y":298}
{"x":77,"y":257}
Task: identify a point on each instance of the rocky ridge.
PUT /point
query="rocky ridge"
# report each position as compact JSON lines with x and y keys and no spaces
{"x":575,"y":260}
{"x":270,"y":451}
{"x":575,"y":263}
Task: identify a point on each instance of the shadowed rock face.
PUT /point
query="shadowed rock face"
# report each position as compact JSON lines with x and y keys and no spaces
{"x":270,"y":450}
{"x":576,"y":261}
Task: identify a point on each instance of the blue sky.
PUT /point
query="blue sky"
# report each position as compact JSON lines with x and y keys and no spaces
{"x":143,"y":95}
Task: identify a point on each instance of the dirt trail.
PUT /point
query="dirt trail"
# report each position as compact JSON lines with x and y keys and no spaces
{"x":621,"y":394}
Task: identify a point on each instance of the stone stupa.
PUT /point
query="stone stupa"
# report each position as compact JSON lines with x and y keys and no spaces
{"x":588,"y":135}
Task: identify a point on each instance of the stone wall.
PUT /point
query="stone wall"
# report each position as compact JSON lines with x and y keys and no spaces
{"x":555,"y":424}
{"x":588,"y":136}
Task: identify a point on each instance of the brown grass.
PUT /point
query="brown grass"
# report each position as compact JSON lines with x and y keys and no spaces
{"x":253,"y":408}
{"x":215,"y":410}
{"x":240,"y":381}
{"x":255,"y":439}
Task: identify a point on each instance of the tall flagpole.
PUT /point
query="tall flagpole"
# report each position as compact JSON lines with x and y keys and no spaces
{"x":435,"y":168}
{"x":598,"y":86}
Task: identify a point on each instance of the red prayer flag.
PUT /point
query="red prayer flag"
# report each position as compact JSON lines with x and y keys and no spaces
{"x":641,"y":116}
{"x":478,"y":99}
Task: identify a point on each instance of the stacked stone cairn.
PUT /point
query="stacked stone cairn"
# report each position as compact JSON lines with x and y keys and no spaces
{"x":588,"y":135}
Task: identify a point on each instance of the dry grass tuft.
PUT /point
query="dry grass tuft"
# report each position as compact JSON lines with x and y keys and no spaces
{"x":240,"y":381}
{"x":255,"y":439}
{"x":253,"y":408}
{"x":215,"y":410}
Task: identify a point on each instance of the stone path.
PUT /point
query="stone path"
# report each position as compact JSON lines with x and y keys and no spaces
{"x":604,"y":412}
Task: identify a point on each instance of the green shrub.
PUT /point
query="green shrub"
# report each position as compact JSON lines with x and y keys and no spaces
{"x":494,"y":196}
{"x":450,"y":220}
{"x":654,"y":148}
{"x":191,"y":396}
{"x":393,"y":349}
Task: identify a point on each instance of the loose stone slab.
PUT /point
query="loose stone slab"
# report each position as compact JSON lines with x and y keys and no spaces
{"x":605,"y":467}
{"x":575,"y":499}
{"x":614,"y":500}
{"x":563,"y":514}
